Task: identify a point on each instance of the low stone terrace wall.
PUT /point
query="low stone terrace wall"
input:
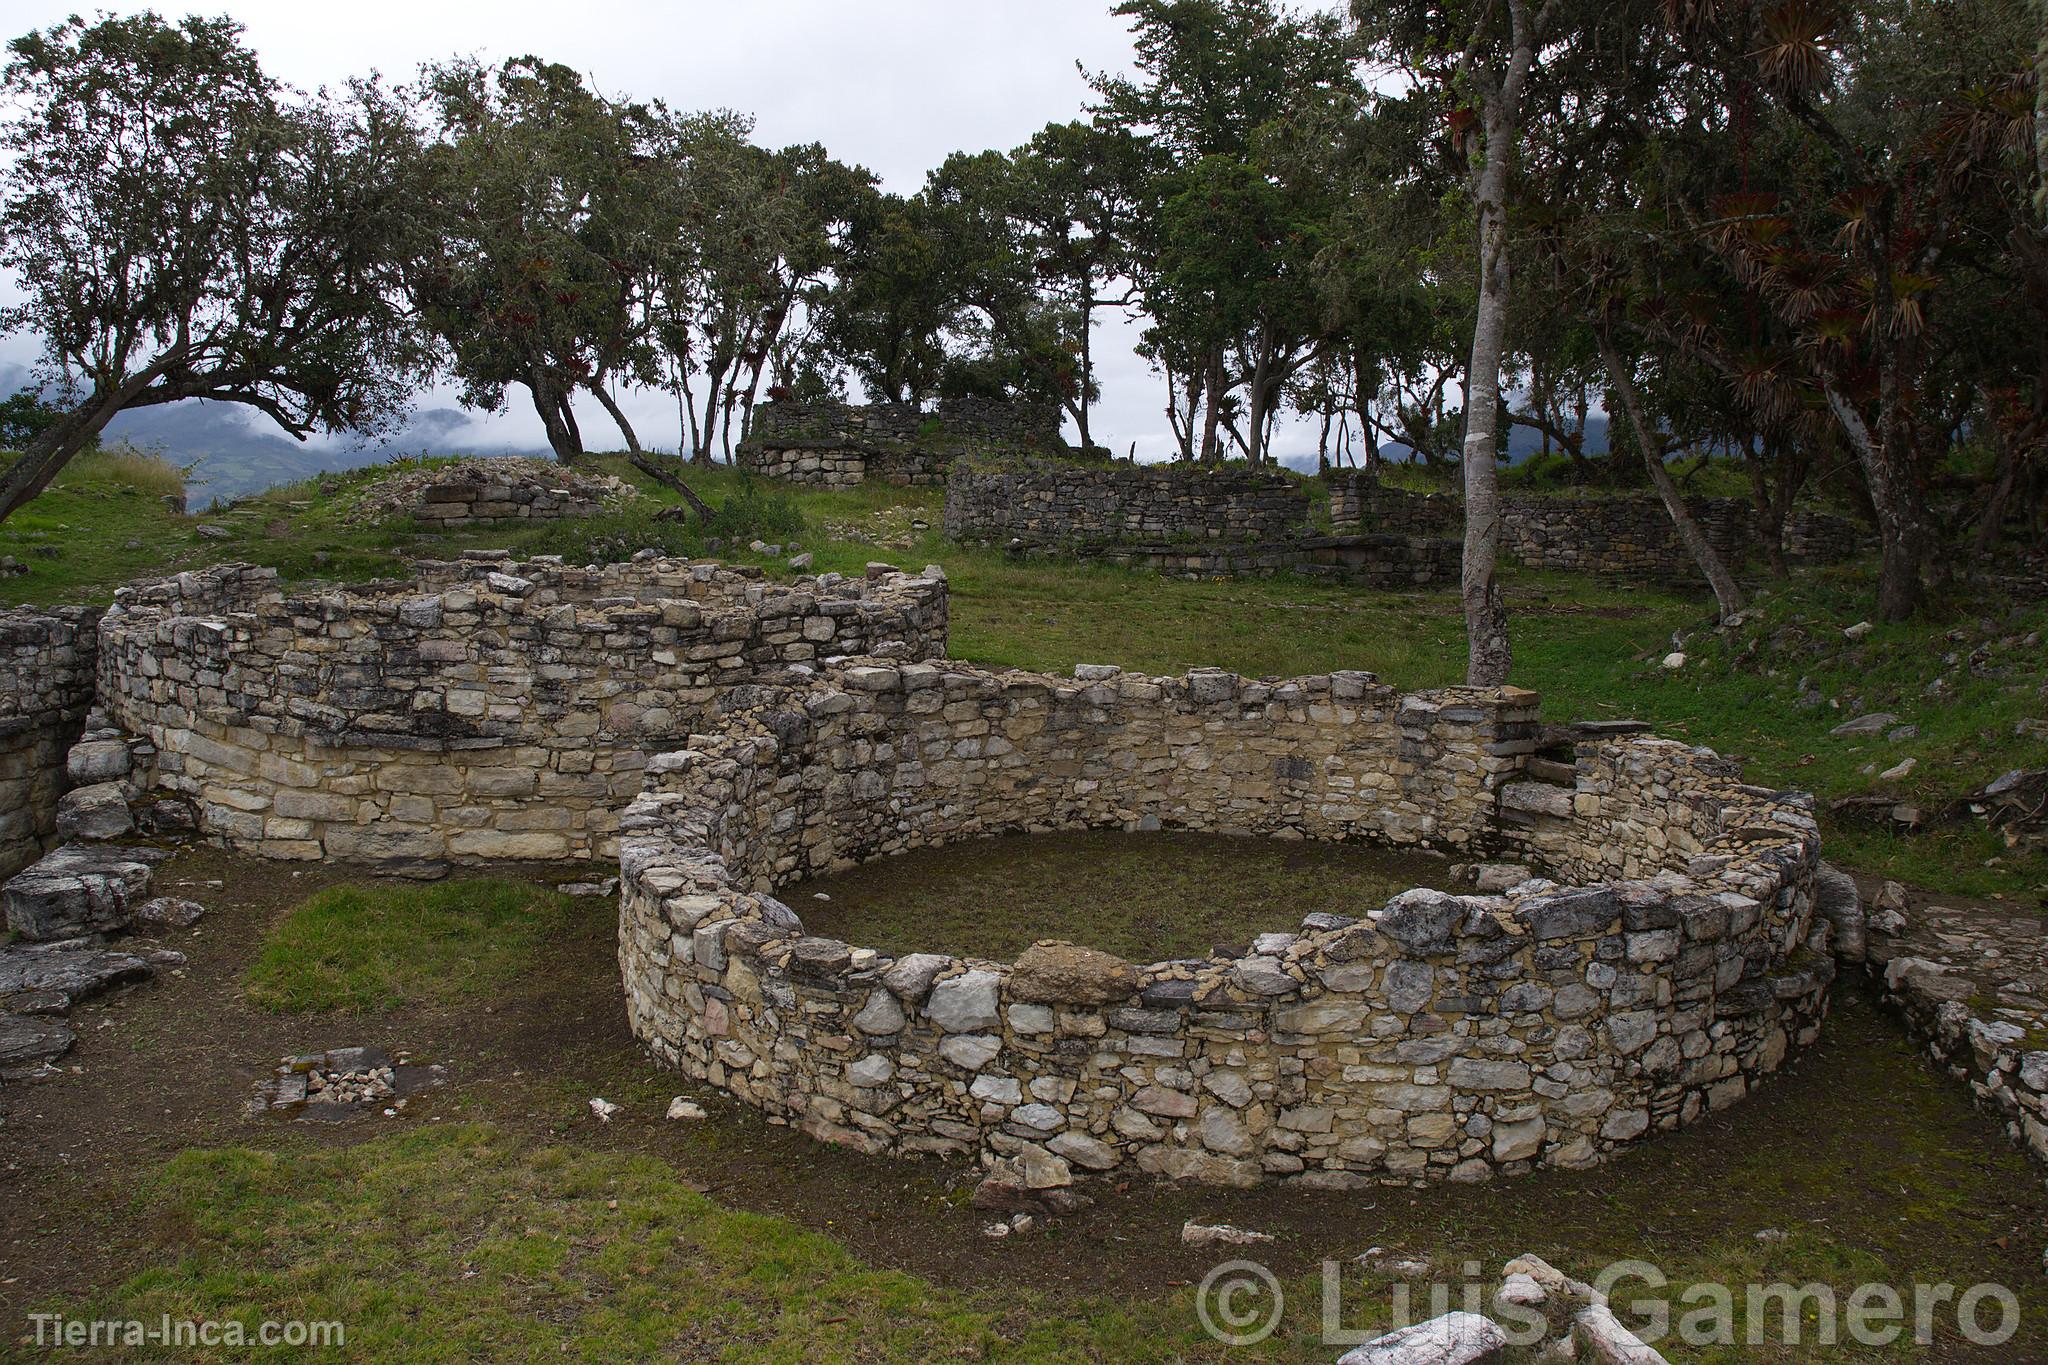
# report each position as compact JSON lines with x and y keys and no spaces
{"x":46,"y":689}
{"x":1672,"y":963}
{"x":475,"y":494}
{"x":1392,"y":562}
{"x":1178,"y":519}
{"x":1075,"y":506}
{"x":839,"y":445}
{"x":484,"y":708}
{"x":1610,"y":536}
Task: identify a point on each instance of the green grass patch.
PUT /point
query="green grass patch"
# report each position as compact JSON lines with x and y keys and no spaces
{"x":362,"y":947}
{"x":1144,"y":897}
{"x":102,"y":522}
{"x":459,"y":1243}
{"x":462,"y":1241}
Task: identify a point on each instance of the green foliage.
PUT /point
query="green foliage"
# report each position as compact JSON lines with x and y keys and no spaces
{"x":373,"y":946}
{"x":752,"y":513}
{"x":180,"y":226}
{"x":23,"y":418}
{"x":544,"y":194}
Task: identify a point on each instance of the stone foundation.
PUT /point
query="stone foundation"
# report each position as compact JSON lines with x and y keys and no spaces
{"x":1620,"y":537}
{"x":1193,"y":521}
{"x":497,"y":493}
{"x":839,"y":445}
{"x":483,"y":709}
{"x":1075,"y":507}
{"x":46,"y":690}
{"x":1669,"y":961}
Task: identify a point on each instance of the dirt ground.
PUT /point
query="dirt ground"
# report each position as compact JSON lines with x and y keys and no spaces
{"x":168,"y":1066}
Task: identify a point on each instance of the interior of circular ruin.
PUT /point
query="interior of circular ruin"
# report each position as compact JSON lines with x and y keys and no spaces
{"x":1143,"y":896}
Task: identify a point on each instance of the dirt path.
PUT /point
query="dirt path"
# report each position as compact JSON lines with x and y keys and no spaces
{"x":168,"y":1066}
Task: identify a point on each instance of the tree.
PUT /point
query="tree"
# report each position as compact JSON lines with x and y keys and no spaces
{"x":180,"y":226}
{"x":1222,"y":83}
{"x":1489,"y":75}
{"x":897,"y":294}
{"x":543,"y":232}
{"x":1859,"y":253}
{"x":749,"y":235}
{"x":1080,"y":182}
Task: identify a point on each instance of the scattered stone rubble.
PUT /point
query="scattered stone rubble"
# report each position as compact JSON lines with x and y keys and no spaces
{"x":344,"y":1081}
{"x":1972,"y":985}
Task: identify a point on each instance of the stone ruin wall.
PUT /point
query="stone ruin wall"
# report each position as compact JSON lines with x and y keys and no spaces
{"x":1060,"y":504}
{"x":46,"y":690}
{"x":1610,"y":536}
{"x":1178,"y":519}
{"x":472,"y":494}
{"x":839,"y":445}
{"x":1439,"y":1037}
{"x":484,"y":709}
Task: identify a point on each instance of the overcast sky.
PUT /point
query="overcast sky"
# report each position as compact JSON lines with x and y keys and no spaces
{"x":892,"y":85}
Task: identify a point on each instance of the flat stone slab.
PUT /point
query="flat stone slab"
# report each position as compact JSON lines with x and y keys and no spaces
{"x":79,"y":889}
{"x":75,"y":972}
{"x":28,"y":1043}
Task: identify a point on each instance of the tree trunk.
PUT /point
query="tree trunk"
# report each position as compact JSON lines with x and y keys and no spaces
{"x":1212,"y":412}
{"x":646,"y":465}
{"x":1361,"y":371}
{"x":1489,"y":653}
{"x":551,"y":404}
{"x":1889,"y":483}
{"x":47,"y":455}
{"x":1087,"y":364}
{"x":625,"y":428}
{"x":1727,"y":592}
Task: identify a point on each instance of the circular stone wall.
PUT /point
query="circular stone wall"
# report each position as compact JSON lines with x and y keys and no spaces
{"x":1673,"y":961}
{"x":482,"y":708}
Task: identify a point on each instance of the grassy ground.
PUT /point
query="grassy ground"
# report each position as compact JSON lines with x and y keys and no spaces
{"x":374,"y":946}
{"x":1145,"y":897}
{"x":497,"y":1220}
{"x":1964,"y":673}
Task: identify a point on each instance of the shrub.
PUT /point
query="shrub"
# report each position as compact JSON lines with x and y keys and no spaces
{"x":750,"y":514}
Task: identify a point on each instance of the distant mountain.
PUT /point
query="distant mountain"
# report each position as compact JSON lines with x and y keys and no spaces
{"x":232,"y":451}
{"x":232,"y":458}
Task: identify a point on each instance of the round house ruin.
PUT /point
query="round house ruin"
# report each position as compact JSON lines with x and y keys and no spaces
{"x":1664,"y":960}
{"x":483,"y":708}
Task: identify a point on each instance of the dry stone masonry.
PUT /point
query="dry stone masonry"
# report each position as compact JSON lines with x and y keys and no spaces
{"x":490,"y":491}
{"x":484,"y":708}
{"x":502,"y":492}
{"x":46,"y":689}
{"x":1666,"y":960}
{"x":1621,"y":537}
{"x":1180,"y":519}
{"x":839,"y":445}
